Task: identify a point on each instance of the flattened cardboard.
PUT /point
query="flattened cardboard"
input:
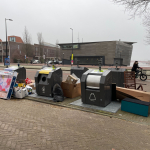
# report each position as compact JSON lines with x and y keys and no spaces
{"x":71,"y":90}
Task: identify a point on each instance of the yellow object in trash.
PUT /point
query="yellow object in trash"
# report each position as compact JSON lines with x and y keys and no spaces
{"x":21,"y":85}
{"x":45,"y":71}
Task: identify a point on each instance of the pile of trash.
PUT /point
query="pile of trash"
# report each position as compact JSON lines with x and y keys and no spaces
{"x":23,"y":88}
{"x":9,"y":86}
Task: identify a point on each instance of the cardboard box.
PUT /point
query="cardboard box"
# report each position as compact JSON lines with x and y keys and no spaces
{"x":71,"y":90}
{"x":71,"y":79}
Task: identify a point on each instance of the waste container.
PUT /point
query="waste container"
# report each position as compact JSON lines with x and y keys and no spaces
{"x":78,"y":71}
{"x":118,"y":76}
{"x":20,"y":70}
{"x":45,"y":79}
{"x":96,"y":87}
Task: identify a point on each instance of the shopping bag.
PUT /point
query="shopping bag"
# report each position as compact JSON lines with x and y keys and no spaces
{"x":28,"y":81}
{"x":20,"y":92}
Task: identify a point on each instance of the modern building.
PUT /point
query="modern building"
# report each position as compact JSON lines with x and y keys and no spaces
{"x":90,"y":52}
{"x":15,"y":50}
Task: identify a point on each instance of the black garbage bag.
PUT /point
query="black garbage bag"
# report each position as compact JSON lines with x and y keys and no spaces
{"x":58,"y":93}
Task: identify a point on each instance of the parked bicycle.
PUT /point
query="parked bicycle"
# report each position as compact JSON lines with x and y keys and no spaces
{"x":142,"y":75}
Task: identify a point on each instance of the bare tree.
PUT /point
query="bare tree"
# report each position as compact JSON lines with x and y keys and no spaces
{"x":137,"y":7}
{"x":41,"y":43}
{"x":27,"y":47}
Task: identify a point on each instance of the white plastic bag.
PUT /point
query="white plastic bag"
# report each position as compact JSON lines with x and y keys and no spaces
{"x":20,"y":92}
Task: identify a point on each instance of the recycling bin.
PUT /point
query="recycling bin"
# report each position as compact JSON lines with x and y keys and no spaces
{"x":20,"y":70}
{"x":118,"y":76}
{"x":96,"y":87}
{"x":45,"y":79}
{"x":78,"y":71}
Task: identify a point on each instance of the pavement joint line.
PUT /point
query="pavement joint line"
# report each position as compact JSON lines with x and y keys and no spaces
{"x":71,"y":107}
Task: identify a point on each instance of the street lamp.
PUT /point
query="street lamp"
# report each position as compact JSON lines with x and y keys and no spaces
{"x":72,"y":48}
{"x":6,"y":33}
{"x":63,"y":58}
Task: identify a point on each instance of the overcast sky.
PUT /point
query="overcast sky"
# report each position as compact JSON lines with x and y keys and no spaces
{"x":92,"y":20}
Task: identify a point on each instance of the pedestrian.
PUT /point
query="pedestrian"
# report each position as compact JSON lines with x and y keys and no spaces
{"x":136,"y":68}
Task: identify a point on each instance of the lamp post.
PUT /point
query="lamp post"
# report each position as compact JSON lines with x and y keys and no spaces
{"x":6,"y":33}
{"x":63,"y":58}
{"x":72,"y":48}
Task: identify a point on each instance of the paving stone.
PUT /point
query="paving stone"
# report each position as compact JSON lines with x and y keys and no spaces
{"x":32,"y":125}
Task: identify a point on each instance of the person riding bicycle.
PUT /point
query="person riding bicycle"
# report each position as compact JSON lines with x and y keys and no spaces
{"x":136,"y":68}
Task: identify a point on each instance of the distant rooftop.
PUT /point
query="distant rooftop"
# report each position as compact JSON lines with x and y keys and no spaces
{"x":14,"y":38}
{"x":97,"y":42}
{"x":48,"y":44}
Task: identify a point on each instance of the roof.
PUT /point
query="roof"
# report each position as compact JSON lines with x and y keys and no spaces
{"x":18,"y":39}
{"x":96,"y":42}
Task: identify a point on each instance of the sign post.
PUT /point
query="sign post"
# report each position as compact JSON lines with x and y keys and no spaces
{"x":72,"y":59}
{"x":25,"y":58}
{"x":44,"y":58}
{"x":6,"y":62}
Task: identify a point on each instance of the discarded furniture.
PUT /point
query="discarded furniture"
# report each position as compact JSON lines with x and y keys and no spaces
{"x":135,"y":106}
{"x":20,"y":70}
{"x":46,"y":78}
{"x":141,"y":95}
{"x":96,"y":87}
{"x":130,"y":82}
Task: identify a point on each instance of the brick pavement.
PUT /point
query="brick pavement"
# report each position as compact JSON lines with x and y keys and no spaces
{"x":28,"y":125}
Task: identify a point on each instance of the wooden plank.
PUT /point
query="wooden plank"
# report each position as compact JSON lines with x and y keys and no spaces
{"x":141,"y":95}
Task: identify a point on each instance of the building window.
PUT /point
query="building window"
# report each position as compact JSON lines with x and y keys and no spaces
{"x":18,"y":46}
{"x":69,"y":46}
{"x":20,"y":52}
{"x":12,"y":39}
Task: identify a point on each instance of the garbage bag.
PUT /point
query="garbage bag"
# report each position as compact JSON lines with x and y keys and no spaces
{"x":58,"y":93}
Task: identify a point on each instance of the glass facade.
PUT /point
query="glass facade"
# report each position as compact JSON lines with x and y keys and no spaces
{"x":69,"y":46}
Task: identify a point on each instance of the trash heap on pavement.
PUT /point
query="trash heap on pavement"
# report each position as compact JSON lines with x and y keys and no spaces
{"x":71,"y":87}
{"x":13,"y":82}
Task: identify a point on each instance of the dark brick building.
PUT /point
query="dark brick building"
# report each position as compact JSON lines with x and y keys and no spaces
{"x":15,"y":50}
{"x":108,"y":50}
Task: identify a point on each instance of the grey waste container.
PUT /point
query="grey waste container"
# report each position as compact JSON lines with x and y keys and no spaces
{"x":78,"y":71}
{"x":118,"y":76}
{"x":45,"y":79}
{"x":96,"y":87}
{"x":20,"y":70}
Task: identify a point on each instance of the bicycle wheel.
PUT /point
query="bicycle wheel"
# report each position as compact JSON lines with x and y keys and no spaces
{"x":143,"y":77}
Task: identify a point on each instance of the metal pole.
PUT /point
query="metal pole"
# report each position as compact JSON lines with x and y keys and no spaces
{"x":72,"y":41}
{"x":63,"y":58}
{"x":6,"y":36}
{"x":120,"y":58}
{"x":72,"y":45}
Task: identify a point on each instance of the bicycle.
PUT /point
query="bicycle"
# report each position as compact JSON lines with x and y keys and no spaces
{"x":142,"y":76}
